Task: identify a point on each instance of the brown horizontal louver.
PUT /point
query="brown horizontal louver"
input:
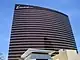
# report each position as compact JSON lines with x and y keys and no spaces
{"x":39,"y":28}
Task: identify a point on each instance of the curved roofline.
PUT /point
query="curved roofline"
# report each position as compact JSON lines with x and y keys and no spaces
{"x":42,"y":8}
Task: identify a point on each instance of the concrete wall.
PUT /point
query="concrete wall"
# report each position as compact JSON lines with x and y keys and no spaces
{"x":67,"y":55}
{"x":60,"y":56}
{"x":71,"y":54}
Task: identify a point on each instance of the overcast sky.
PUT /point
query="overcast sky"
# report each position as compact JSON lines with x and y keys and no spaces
{"x":69,"y":7}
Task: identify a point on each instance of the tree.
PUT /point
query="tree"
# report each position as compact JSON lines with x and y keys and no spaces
{"x":1,"y":56}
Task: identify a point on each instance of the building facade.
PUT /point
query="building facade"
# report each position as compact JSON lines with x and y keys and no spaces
{"x":36,"y":54}
{"x":40,"y":28}
{"x":66,"y":55}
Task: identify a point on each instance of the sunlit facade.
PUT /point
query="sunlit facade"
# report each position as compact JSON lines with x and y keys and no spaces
{"x":40,"y":28}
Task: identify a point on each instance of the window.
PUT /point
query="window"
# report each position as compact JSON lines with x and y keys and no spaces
{"x":41,"y":59}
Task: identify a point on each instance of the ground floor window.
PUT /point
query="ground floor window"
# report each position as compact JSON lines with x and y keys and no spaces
{"x":41,"y":59}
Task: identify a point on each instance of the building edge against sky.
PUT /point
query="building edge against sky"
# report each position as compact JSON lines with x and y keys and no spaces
{"x":52,"y":32}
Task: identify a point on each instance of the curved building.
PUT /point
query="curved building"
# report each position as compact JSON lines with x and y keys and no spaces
{"x":40,"y":28}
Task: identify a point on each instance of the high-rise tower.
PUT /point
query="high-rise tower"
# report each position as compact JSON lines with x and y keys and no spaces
{"x":40,"y":28}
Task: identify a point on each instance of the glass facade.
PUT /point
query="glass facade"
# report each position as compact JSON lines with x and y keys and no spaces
{"x":41,"y":28}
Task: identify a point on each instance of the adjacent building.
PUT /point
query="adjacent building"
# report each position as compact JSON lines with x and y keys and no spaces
{"x":62,"y":54}
{"x":40,"y":28}
{"x":66,"y":55}
{"x":36,"y":54}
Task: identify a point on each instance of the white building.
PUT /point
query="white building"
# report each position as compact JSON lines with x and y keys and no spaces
{"x":66,"y":55}
{"x":35,"y":54}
